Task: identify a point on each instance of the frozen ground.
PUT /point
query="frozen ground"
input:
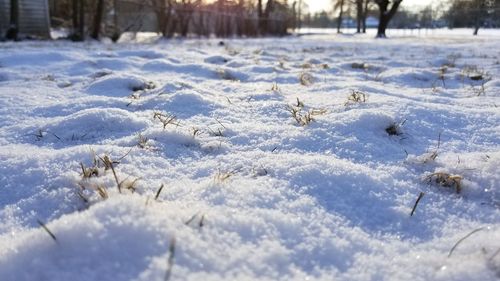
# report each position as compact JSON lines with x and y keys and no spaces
{"x":248,"y":192}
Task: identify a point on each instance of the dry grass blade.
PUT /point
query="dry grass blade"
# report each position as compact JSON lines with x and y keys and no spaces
{"x":190,"y":220}
{"x":102,"y":191}
{"x":47,"y":230}
{"x":143,"y":141}
{"x":202,"y":222}
{"x":434,"y":154}
{"x":159,"y":191}
{"x":170,"y":262}
{"x":83,"y":197}
{"x":462,"y":239}
{"x":416,"y":203}
{"x":218,"y":133}
{"x":494,"y":254}
{"x":275,"y":87}
{"x":300,"y":104}
{"x":196,"y":132}
{"x":108,"y":163}
{"x":89,"y":172}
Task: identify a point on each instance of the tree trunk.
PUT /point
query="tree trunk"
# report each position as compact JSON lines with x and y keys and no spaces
{"x":382,"y":26}
{"x":341,"y":12}
{"x":13,"y":30}
{"x":386,"y":15}
{"x":261,"y":17}
{"x":98,"y":20}
{"x":476,"y":29}
{"x":74,"y":15}
{"x":299,"y":14}
{"x":265,"y":19}
{"x":365,"y":14}
{"x":359,"y":15}
{"x":77,"y":18}
{"x":82,"y":20}
{"x":116,"y":28}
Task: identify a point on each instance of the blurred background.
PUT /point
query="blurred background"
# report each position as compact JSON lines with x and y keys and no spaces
{"x":81,"y":19}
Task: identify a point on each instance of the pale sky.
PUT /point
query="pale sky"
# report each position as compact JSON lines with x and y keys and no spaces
{"x":318,"y":5}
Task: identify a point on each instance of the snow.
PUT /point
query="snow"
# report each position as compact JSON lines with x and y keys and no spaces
{"x":248,"y":193}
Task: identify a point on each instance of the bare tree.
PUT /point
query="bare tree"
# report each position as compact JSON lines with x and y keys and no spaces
{"x":473,"y":13}
{"x":163,"y":10}
{"x":78,"y":20}
{"x":98,"y":20}
{"x":365,"y":13}
{"x":359,"y":14}
{"x":386,"y":14}
{"x":479,"y":13}
{"x":185,"y":14}
{"x":13,"y":30}
{"x":339,"y":5}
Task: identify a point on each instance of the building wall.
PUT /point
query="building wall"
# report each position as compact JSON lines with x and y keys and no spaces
{"x":33,"y":17}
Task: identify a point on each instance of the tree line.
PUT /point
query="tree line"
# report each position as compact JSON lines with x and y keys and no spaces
{"x":451,"y":13}
{"x":222,"y":18}
{"x":246,"y":18}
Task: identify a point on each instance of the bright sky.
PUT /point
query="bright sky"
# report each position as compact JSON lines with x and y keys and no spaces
{"x":319,"y":5}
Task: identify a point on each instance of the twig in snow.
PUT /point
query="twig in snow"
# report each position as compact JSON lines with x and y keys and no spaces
{"x":202,"y":221}
{"x":462,"y":239}
{"x":47,"y":230}
{"x":191,"y":219}
{"x":416,"y":203}
{"x":494,"y":254}
{"x":159,"y":191}
{"x":170,"y":263}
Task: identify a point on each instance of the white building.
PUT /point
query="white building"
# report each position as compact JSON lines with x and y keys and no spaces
{"x":34,"y":19}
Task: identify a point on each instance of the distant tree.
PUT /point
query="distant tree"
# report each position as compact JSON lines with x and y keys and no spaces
{"x":472,"y":13}
{"x":78,"y":20}
{"x":386,"y":14}
{"x":359,"y":14}
{"x":260,"y":14}
{"x":13,"y":30}
{"x":339,"y":6}
{"x":116,"y":26}
{"x":96,"y":30}
{"x":362,"y":7}
{"x":185,"y":14}
{"x":366,"y":9}
{"x":163,"y":10}
{"x":479,"y":12}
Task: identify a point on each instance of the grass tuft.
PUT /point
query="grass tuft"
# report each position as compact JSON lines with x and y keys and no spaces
{"x":355,"y":97}
{"x":166,"y":119}
{"x":306,"y":79}
{"x":446,"y":180}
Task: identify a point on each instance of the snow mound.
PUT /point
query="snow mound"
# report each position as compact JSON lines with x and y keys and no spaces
{"x":118,"y":86}
{"x":88,"y":126}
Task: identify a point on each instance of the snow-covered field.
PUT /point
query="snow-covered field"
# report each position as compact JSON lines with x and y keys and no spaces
{"x":90,"y":132}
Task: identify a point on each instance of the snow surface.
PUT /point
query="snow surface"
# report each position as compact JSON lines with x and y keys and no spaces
{"x":249,"y":194}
